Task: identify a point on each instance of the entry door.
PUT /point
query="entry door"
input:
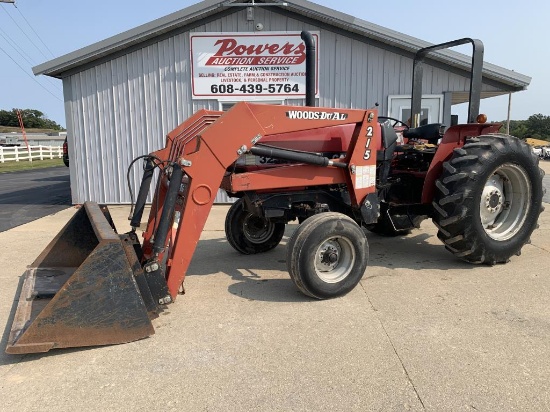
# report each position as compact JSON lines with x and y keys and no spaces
{"x":399,"y":107}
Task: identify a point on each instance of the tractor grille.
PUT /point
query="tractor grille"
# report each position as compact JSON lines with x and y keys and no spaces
{"x":184,"y":139}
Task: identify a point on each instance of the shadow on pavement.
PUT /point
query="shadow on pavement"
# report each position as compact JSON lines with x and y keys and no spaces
{"x":416,"y":251}
{"x":256,"y":282}
{"x":6,"y":359}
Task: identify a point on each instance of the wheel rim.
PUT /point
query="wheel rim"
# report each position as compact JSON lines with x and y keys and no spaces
{"x":505,"y":200}
{"x":256,"y":229}
{"x":334,"y":259}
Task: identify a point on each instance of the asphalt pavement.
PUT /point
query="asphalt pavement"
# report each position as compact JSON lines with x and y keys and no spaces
{"x":31,"y":194}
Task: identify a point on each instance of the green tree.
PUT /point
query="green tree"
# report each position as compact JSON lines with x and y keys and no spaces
{"x":539,"y":126}
{"x":31,"y":119}
{"x":517,"y":128}
{"x":7,"y":119}
{"x":536,"y":126}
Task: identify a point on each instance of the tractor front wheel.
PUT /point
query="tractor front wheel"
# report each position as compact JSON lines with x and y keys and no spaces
{"x":327,"y":255}
{"x":250,"y":234}
{"x":488,"y":199}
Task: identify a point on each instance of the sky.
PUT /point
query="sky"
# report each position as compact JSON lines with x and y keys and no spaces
{"x":514,"y":34}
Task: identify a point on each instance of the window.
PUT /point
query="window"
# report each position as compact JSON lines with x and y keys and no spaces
{"x":399,"y":107}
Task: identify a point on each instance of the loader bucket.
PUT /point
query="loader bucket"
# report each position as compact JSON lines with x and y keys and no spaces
{"x":82,"y":290}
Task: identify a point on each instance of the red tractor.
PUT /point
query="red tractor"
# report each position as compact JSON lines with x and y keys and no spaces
{"x":336,"y":171}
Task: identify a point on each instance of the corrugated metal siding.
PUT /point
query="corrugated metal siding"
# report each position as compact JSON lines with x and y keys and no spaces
{"x":124,"y":107}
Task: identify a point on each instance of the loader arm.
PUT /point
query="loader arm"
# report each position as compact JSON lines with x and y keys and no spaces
{"x":93,"y":286}
{"x":210,"y":142}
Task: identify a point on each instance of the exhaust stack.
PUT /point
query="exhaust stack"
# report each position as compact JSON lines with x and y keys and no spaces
{"x":308,"y":39}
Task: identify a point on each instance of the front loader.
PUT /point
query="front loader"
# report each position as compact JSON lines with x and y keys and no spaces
{"x":335,"y":171}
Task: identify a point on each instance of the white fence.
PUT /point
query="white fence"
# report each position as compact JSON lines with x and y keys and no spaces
{"x":18,"y":153}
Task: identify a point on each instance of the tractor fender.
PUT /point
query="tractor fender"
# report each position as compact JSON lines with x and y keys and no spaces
{"x":454,"y":138}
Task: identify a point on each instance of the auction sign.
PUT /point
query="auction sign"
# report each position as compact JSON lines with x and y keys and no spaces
{"x":250,"y":66}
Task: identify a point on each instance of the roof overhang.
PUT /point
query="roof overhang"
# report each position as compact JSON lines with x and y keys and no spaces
{"x":510,"y":80}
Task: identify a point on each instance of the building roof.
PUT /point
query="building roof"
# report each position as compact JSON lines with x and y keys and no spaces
{"x":57,"y":67}
{"x":36,"y":136}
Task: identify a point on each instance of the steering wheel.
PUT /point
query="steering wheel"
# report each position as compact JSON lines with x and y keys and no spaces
{"x":395,"y":122}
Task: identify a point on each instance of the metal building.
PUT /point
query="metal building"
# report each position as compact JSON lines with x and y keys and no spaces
{"x":124,"y":94}
{"x":34,"y":139}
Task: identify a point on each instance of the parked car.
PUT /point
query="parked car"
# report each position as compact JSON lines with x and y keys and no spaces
{"x":537,"y":150}
{"x":66,"y":153}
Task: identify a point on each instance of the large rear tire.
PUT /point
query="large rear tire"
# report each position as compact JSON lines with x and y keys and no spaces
{"x":488,"y":199}
{"x":250,"y":234}
{"x":327,"y":255}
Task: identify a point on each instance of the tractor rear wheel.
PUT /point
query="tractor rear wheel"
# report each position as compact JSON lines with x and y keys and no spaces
{"x":250,"y":234}
{"x":327,"y":255}
{"x":488,"y":199}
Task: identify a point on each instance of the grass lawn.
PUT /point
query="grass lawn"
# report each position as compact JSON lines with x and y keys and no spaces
{"x":11,"y":129}
{"x":26,"y":165}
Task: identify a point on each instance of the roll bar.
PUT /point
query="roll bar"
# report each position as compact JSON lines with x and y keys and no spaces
{"x":475,"y":77}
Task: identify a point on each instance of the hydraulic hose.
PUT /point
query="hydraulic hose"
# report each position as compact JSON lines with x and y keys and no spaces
{"x":308,"y":158}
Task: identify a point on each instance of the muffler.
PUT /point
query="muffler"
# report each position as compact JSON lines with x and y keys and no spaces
{"x":87,"y":288}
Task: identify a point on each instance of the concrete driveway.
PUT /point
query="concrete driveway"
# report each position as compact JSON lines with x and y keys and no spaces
{"x":422,"y":331}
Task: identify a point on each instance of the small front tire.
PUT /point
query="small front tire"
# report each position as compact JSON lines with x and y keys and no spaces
{"x":327,"y":255}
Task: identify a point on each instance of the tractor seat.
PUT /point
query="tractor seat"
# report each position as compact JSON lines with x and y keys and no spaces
{"x":430,"y":132}
{"x":389,"y":141}
{"x":385,"y":156}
